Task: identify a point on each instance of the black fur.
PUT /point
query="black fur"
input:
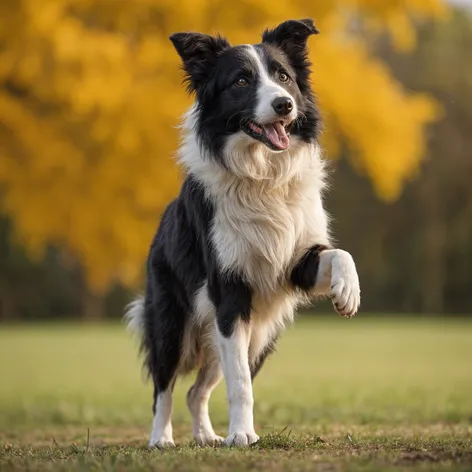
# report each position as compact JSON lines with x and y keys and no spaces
{"x":305,"y":272}
{"x":179,"y":260}
{"x":291,"y":37}
{"x":199,"y":53}
{"x":232,"y":296}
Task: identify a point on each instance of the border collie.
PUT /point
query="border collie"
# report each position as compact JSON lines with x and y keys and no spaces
{"x":246,"y":242}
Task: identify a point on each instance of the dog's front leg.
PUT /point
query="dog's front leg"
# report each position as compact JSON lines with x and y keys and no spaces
{"x":332,"y":272}
{"x":234,"y":334}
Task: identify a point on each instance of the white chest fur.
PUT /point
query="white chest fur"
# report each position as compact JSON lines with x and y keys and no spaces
{"x":262,"y":229}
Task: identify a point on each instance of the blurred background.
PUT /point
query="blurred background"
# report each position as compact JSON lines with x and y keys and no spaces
{"x":90,"y":94}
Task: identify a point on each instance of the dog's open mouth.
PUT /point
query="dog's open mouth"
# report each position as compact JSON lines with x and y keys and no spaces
{"x":275,"y":136}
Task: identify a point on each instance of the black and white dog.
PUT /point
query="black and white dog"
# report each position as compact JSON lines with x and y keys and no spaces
{"x":246,"y":242}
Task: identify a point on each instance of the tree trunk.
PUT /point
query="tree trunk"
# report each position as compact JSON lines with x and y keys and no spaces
{"x":7,"y":303}
{"x":433,"y":257}
{"x":93,"y":306}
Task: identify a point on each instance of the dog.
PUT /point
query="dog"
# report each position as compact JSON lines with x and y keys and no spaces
{"x":246,"y":242}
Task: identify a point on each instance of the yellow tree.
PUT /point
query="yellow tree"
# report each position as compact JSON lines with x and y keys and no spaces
{"x":90,"y":95}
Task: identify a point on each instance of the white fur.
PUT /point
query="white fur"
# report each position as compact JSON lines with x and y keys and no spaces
{"x":263,"y":228}
{"x":197,"y":401}
{"x":234,"y":359}
{"x":134,"y":316}
{"x":268,"y":91}
{"x":203,"y":307}
{"x":161,"y":435}
{"x":337,"y":276}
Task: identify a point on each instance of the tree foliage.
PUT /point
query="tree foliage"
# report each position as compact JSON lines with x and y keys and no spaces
{"x":90,"y":96}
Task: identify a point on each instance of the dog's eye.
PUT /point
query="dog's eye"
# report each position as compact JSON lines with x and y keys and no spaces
{"x":242,"y":82}
{"x":283,"y":77}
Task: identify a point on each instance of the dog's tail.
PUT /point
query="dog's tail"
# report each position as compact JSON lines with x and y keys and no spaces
{"x":134,"y":316}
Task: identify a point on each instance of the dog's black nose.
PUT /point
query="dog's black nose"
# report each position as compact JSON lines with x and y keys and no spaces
{"x":282,"y":105}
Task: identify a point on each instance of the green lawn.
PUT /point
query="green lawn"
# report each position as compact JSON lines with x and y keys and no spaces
{"x":366,"y":394}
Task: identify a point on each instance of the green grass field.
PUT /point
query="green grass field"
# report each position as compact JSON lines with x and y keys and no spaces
{"x":366,"y":394}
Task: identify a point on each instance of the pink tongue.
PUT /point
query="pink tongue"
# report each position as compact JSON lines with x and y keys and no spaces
{"x":277,"y":135}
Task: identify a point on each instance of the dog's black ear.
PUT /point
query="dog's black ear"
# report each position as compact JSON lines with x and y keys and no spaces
{"x":290,"y":35}
{"x":198,"y":52}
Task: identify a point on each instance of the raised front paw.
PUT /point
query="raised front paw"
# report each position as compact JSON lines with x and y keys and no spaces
{"x":242,"y":438}
{"x":345,"y":291}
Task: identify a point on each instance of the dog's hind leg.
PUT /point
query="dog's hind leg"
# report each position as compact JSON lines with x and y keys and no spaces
{"x":197,"y":400}
{"x":161,"y":435}
{"x":164,"y":327}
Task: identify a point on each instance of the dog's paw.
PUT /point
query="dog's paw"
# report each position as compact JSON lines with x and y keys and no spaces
{"x":242,"y":438}
{"x":345,"y":290}
{"x":161,"y":443}
{"x":206,"y":438}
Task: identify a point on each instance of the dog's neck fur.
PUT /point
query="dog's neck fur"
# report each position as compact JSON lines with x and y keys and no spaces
{"x":268,"y":206}
{"x":252,"y":168}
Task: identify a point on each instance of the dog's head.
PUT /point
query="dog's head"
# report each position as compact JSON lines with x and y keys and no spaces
{"x":251,"y":95}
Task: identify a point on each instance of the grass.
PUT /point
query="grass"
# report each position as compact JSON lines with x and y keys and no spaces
{"x":369,"y":394}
